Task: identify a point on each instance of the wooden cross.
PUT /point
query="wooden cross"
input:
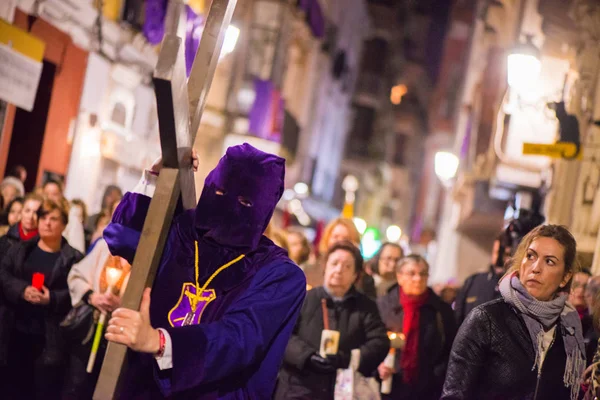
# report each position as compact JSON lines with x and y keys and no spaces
{"x":180,"y":108}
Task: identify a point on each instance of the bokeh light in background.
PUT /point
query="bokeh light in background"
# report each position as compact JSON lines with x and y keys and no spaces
{"x":371,"y":242}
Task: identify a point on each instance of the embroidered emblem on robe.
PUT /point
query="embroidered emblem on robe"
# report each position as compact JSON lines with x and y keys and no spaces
{"x":185,"y":311}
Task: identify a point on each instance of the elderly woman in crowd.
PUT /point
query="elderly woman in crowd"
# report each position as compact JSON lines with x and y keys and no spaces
{"x":31,"y":347}
{"x":427,"y":327}
{"x":527,"y":344}
{"x":338,"y":230}
{"x":10,"y":188}
{"x":305,"y":373}
{"x":26,"y":228}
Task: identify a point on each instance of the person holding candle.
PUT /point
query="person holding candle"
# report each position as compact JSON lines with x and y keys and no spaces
{"x":425,"y":326}
{"x":99,"y":280}
{"x":309,"y":367}
{"x":31,"y":347}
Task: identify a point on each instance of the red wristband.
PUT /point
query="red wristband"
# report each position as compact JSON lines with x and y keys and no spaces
{"x":162,"y":344}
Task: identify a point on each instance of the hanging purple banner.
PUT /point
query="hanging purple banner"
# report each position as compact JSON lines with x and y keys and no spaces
{"x":194,"y":28}
{"x":154,"y":21}
{"x":314,"y":16}
{"x":267,"y":113}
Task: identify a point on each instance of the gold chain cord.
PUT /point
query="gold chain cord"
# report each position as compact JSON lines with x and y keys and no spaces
{"x":200,"y":290}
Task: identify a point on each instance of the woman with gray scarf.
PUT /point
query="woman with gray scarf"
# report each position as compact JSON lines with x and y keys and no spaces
{"x":528,"y":344}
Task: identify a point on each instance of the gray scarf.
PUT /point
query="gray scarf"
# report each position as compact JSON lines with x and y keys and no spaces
{"x":543,"y":315}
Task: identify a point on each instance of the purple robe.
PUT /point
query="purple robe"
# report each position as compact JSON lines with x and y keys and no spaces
{"x":246,"y":315}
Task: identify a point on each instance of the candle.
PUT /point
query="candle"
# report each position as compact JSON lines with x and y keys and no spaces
{"x":390,"y":361}
{"x":37,"y":281}
{"x":112,"y":276}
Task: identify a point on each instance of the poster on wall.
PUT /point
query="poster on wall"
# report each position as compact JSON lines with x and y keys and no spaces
{"x":7,"y":10}
{"x":20,"y":66}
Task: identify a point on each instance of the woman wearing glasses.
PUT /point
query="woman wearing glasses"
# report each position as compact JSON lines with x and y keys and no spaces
{"x":426,"y":328}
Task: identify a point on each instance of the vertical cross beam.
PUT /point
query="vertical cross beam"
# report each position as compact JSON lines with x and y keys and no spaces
{"x":174,"y":99}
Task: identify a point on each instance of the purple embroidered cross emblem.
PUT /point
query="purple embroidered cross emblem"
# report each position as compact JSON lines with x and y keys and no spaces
{"x":189,"y":308}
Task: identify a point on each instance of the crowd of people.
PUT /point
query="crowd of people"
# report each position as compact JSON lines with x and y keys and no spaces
{"x":525,"y":328}
{"x":53,"y":288}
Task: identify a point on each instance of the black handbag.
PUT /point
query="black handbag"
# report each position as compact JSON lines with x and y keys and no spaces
{"x":78,"y":325}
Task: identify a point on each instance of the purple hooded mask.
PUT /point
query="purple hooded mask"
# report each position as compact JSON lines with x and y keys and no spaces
{"x":239,"y":197}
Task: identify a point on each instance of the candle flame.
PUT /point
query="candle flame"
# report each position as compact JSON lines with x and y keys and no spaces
{"x":113,"y":275}
{"x":392,"y":335}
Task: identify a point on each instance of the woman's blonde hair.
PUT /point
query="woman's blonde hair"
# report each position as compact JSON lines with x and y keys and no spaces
{"x":557,"y":232}
{"x":346,"y":222}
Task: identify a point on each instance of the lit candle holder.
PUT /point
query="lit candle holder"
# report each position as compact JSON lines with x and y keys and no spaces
{"x":396,"y":342}
{"x":113,"y":274}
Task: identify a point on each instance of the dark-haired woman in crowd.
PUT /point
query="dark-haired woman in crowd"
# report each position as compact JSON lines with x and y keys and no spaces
{"x":31,"y":348}
{"x":12,"y":215}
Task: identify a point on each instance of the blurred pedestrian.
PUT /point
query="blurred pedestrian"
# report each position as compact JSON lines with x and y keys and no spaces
{"x":88,"y":283}
{"x":426,"y":324}
{"x":483,"y":287}
{"x":591,"y":329}
{"x":10,"y":188}
{"x":12,"y":215}
{"x":578,"y":288}
{"x":112,"y":194}
{"x":26,"y":228}
{"x":299,"y":247}
{"x":384,"y":267}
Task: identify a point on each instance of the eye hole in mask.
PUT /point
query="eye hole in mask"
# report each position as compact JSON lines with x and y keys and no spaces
{"x":245,"y":202}
{"x":220,"y":192}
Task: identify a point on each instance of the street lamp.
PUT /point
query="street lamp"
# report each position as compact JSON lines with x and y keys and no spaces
{"x":301,"y":189}
{"x":446,"y":165}
{"x":393,"y":233}
{"x":524,"y":67}
{"x":231,"y":36}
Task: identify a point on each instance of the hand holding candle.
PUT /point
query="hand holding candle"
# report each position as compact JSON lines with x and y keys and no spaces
{"x":37,"y":281}
{"x":108,"y":302}
{"x":386,"y":369}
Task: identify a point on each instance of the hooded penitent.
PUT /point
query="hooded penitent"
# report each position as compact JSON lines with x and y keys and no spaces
{"x":239,"y":292}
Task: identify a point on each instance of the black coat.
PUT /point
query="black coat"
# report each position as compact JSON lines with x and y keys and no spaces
{"x":493,"y":356}
{"x":356,"y":318}
{"x":12,"y":286}
{"x":10,"y":239}
{"x":437,"y":329}
{"x":477,"y":290}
